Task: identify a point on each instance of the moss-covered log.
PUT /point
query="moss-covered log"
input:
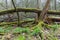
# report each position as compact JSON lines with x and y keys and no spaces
{"x":54,"y":19}
{"x":12,"y":23}
{"x":27,"y":10}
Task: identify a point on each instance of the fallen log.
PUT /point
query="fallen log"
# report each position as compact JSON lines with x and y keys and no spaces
{"x":54,"y":19}
{"x":11,"y":11}
{"x":12,"y":23}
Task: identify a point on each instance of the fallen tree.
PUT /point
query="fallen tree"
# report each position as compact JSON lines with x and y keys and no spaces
{"x":54,"y":19}
{"x":12,"y":23}
{"x":50,"y":18}
{"x":11,"y":11}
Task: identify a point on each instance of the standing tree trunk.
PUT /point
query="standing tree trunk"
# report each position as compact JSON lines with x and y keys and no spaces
{"x":16,"y":12}
{"x":42,"y":18}
{"x":38,"y":4}
{"x":55,"y":4}
{"x":26,"y":5}
{"x":37,"y":15}
{"x":9,"y":16}
{"x":44,"y":11}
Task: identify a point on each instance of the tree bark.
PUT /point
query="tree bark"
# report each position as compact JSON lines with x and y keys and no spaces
{"x":44,"y":11}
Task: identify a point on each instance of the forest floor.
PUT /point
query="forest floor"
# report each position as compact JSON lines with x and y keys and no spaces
{"x":26,"y":32}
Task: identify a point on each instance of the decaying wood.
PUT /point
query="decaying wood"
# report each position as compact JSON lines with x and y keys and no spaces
{"x":50,"y":19}
{"x":12,"y":23}
{"x":11,"y":11}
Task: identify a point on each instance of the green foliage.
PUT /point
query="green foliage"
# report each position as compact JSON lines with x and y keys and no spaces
{"x":20,"y":37}
{"x":36,"y":30}
{"x":1,"y":30}
{"x":18,"y":30}
{"x":21,"y":30}
{"x":7,"y":29}
{"x":26,"y":30}
{"x":54,"y":27}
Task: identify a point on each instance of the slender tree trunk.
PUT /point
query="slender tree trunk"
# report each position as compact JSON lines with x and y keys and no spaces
{"x":55,"y":4}
{"x":37,"y":15}
{"x":38,"y":4}
{"x":26,"y":5}
{"x":16,"y":12}
{"x":7,"y":14}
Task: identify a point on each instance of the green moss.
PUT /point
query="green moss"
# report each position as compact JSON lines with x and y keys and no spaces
{"x":11,"y":10}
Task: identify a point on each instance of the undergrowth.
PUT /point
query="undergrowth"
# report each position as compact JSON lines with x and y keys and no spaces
{"x":43,"y":31}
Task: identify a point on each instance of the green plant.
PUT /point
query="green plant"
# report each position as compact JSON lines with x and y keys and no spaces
{"x":20,"y":37}
{"x":1,"y":30}
{"x":18,"y":30}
